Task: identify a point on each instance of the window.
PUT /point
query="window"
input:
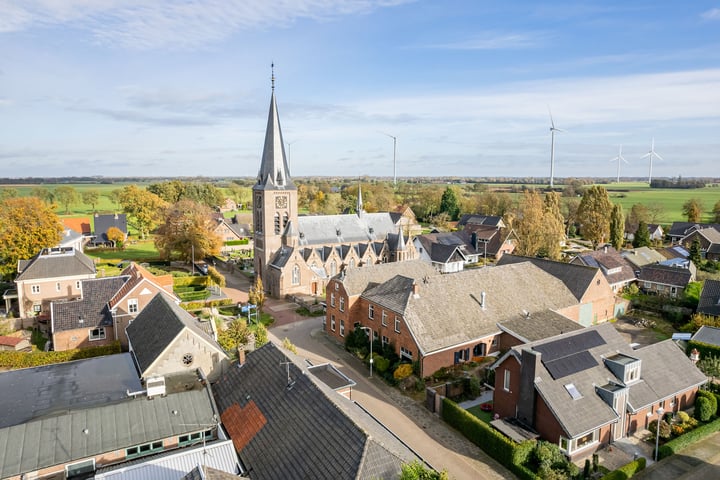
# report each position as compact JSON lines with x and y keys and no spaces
{"x":285,"y":220}
{"x":332,"y":299}
{"x":371,"y":311}
{"x":97,"y":334}
{"x":80,"y":468}
{"x":144,"y":449}
{"x":342,"y":328}
{"x":385,"y":340}
{"x":585,"y":440}
{"x":78,"y":285}
{"x":187,"y":359}
{"x":494,"y":342}
{"x":191,"y":438}
{"x":337,"y":286}
{"x":404,"y":352}
{"x":384,"y":318}
{"x":397,"y":325}
{"x":35,"y":289}
{"x":133,"y":305}
{"x":342,"y":304}
{"x":277,"y":223}
{"x":564,"y":444}
{"x":333,"y":268}
{"x":351,"y":263}
{"x":332,"y":322}
{"x":647,"y":284}
{"x":506,"y":380}
{"x":57,"y":286}
{"x":296,"y":275}
{"x":37,"y":308}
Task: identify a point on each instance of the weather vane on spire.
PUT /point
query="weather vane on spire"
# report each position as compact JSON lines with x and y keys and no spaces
{"x":272,"y":75}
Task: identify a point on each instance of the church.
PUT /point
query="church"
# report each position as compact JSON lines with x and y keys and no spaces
{"x":297,"y":255}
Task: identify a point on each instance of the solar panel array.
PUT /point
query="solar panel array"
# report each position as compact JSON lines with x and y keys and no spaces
{"x":569,"y":355}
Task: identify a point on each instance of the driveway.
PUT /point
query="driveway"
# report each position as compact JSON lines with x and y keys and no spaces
{"x":698,"y":461}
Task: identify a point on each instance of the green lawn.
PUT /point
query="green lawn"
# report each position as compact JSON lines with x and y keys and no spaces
{"x":482,"y":415}
{"x":141,"y":250}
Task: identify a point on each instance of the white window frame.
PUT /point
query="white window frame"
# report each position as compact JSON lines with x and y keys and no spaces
{"x":332,"y":322}
{"x":296,"y":275}
{"x":404,"y":352}
{"x":100,"y":336}
{"x":332,"y":299}
{"x":133,"y":302}
{"x":397,"y":325}
{"x":371,"y":311}
{"x":78,"y":285}
{"x":35,"y":288}
{"x":342,"y":328}
{"x":342,"y":303}
{"x":385,"y":340}
{"x":37,"y":307}
{"x":84,"y":463}
{"x":506,"y":380}
{"x":384,"y":318}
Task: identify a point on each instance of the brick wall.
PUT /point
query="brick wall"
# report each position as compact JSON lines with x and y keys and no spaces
{"x":80,"y":338}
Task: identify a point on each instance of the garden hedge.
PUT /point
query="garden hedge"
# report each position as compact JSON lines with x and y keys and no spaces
{"x":12,"y":359}
{"x":211,"y":303}
{"x":244,"y":241}
{"x":674,"y":446}
{"x":706,"y":350}
{"x":185,"y":281}
{"x":627,"y":470}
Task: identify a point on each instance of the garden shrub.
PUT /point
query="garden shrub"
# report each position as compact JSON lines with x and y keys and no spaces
{"x":471,"y":386}
{"x":403,"y":371}
{"x":674,"y":446}
{"x":380,"y":363}
{"x":12,"y":359}
{"x":683,"y":417}
{"x":703,"y":409}
{"x":627,"y":470}
{"x":665,"y":430}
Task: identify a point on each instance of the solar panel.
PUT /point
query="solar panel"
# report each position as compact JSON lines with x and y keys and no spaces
{"x":565,"y":366}
{"x":569,"y":346}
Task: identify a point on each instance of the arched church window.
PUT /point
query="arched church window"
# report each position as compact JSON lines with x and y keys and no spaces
{"x":296,"y":275}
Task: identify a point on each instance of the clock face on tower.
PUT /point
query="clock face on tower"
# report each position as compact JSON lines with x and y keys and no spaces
{"x":281,"y":202}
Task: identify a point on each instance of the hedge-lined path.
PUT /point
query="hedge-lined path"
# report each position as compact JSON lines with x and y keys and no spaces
{"x":424,"y":432}
{"x":698,"y":461}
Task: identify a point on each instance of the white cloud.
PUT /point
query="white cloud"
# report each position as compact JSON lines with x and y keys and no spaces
{"x":172,"y":23}
{"x":495,"y":41}
{"x":712,"y":14}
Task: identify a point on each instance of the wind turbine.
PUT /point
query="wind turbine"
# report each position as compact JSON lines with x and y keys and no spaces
{"x":619,"y":159}
{"x":553,"y":129}
{"x":651,"y":154}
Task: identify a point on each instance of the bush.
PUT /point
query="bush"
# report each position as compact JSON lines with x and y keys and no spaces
{"x":627,"y":470}
{"x":381,"y":364}
{"x":674,"y":446}
{"x":403,"y":371}
{"x":665,"y":430}
{"x":12,"y":359}
{"x":683,"y":417}
{"x":703,"y":409}
{"x":711,"y":397}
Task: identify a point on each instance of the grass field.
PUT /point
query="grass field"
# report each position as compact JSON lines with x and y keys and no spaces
{"x":141,"y":250}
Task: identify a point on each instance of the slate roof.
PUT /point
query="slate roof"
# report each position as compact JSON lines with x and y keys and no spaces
{"x":356,"y":279}
{"x":443,"y":247}
{"x":156,"y":327}
{"x":483,"y":234}
{"x":347,"y":228}
{"x":104,"y":222}
{"x":60,"y":438}
{"x":709,"y":303}
{"x":577,"y":278}
{"x":538,"y":326}
{"x":45,"y":391}
{"x":681,"y":229}
{"x":608,"y":260}
{"x":301,"y":429}
{"x":641,"y":256}
{"x":665,"y":275}
{"x":478,"y":219}
{"x":274,"y":172}
{"x":89,"y":311}
{"x":447,"y":309}
{"x":709,"y":335}
{"x":55,"y":263}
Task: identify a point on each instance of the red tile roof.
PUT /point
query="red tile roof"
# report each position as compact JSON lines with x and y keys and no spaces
{"x":80,"y":225}
{"x":243,"y":423}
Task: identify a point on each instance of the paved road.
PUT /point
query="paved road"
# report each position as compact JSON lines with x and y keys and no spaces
{"x":698,"y":461}
{"x":424,"y":432}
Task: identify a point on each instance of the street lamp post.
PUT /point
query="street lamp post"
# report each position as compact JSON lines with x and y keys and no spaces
{"x":660,"y":413}
{"x":370,"y":335}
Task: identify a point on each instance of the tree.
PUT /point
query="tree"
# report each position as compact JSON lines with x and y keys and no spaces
{"x":144,"y":208}
{"x":216,"y":277}
{"x":695,"y":252}
{"x":594,"y":215}
{"x":692,"y":209}
{"x":116,"y":236}
{"x":449,"y":203}
{"x":539,"y":225}
{"x":8,"y":192}
{"x":261,"y":335}
{"x":716,"y":212}
{"x":28,"y":226}
{"x":235,"y":335}
{"x":642,"y":236}
{"x":553,"y":225}
{"x":710,"y":366}
{"x":416,"y":470}
{"x":44,"y":194}
{"x":256,"y":295}
{"x":66,"y":195}
{"x":188,"y":232}
{"x":617,"y":227}
{"x":90,"y":197}
{"x":114,"y":196}
{"x":638,"y":212}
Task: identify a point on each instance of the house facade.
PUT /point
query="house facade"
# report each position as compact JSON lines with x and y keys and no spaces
{"x":52,"y":274}
{"x":615,"y":268}
{"x":709,"y":240}
{"x":588,"y":388}
{"x":664,"y":280}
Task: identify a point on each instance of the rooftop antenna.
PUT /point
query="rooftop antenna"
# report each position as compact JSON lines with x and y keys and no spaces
{"x":290,"y":383}
{"x":553,"y":129}
{"x":619,"y":159}
{"x":272,"y":76}
{"x":652,"y":153}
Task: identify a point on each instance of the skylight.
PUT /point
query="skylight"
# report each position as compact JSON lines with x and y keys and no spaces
{"x":574,"y":393}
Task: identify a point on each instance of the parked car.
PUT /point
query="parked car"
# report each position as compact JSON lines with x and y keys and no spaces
{"x":201,"y":267}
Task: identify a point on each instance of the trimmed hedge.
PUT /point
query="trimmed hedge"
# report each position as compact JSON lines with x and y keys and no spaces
{"x":212,"y":303}
{"x":185,"y":281}
{"x":12,"y":359}
{"x":627,"y":470}
{"x":706,"y":350}
{"x":674,"y":446}
{"x":193,"y":296}
{"x":244,"y":241}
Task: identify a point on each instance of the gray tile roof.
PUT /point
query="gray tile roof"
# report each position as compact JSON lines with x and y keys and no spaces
{"x":69,"y":237}
{"x":56,"y":263}
{"x":477,"y":219}
{"x":539,"y":325}
{"x":58,"y":439}
{"x":155,"y":328}
{"x":608,"y":260}
{"x":680,"y":229}
{"x":356,"y":279}
{"x":577,"y":278}
{"x":447,"y":310}
{"x":91,"y":310}
{"x":709,"y":303}
{"x":348,"y":228}
{"x":306,"y":430}
{"x":641,"y":256}
{"x":104,"y":222}
{"x":51,"y":389}
{"x":709,"y":335}
{"x":442,"y":247}
{"x":665,"y":275}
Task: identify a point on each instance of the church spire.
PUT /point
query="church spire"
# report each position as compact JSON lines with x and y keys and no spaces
{"x":274,"y":172}
{"x":359,"y":206}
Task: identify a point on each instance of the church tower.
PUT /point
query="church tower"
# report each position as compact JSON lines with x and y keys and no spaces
{"x":275,"y":202}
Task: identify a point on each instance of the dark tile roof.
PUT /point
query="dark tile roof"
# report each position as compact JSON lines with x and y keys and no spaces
{"x":709,"y":335}
{"x":577,"y":278}
{"x":300,"y":429}
{"x":91,"y":310}
{"x":155,"y":328}
{"x":56,"y":263}
{"x":104,"y":222}
{"x":538,"y":326}
{"x":665,"y":275}
{"x":478,"y":219}
{"x":442,"y":247}
{"x":709,"y":303}
{"x":676,"y":251}
{"x":615,"y":268}
{"x":681,"y":229}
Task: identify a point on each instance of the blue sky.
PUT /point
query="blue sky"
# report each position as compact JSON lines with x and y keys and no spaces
{"x":131,"y":87}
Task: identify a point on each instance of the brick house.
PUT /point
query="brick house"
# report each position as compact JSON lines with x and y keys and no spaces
{"x":444,"y":320}
{"x":588,"y":388}
{"x":134,"y":295}
{"x":664,"y":280}
{"x":709,"y":239}
{"x":618,"y":272}
{"x":52,"y":274}
{"x":88,"y":320}
{"x":680,"y":230}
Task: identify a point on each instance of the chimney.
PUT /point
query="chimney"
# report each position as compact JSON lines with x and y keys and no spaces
{"x":482,"y":300}
{"x":605,"y":249}
{"x":530,"y":364}
{"x":241,"y":356}
{"x":415,"y":289}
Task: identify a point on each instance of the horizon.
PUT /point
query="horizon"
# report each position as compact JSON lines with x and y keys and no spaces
{"x":119,"y":87}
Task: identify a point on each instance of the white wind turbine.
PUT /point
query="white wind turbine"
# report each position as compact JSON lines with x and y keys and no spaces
{"x":619,"y":159}
{"x":553,"y":129}
{"x":652,"y":153}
